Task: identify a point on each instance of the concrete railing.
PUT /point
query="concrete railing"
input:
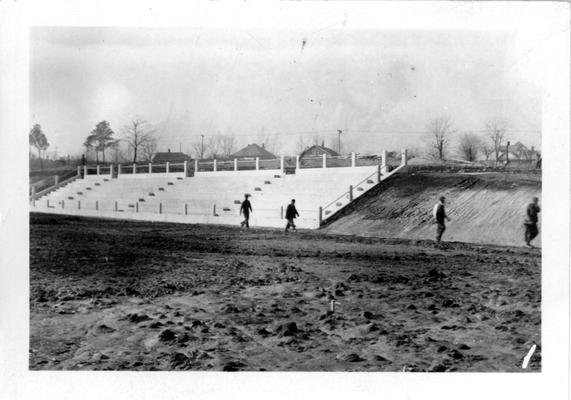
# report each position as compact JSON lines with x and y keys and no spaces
{"x":361,"y":187}
{"x":253,"y":164}
{"x":115,"y":170}
{"x":187,"y":168}
{"x":58,"y":184}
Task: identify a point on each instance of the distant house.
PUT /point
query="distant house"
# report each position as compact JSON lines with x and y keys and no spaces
{"x":170,"y":157}
{"x":317,"y":150}
{"x":519,"y":152}
{"x":253,"y":151}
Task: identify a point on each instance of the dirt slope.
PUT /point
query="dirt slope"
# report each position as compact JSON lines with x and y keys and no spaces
{"x":484,"y":207}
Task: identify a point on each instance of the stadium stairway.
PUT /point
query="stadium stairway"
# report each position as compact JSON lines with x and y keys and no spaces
{"x":214,"y":197}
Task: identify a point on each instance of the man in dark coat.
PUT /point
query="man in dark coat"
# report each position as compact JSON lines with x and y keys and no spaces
{"x":439,"y":214}
{"x":530,"y":222}
{"x":291,"y":213}
{"x":246,"y":209}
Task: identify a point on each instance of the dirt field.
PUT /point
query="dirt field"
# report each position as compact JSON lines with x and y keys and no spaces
{"x":111,"y":295}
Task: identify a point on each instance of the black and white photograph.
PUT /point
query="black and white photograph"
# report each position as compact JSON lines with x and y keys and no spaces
{"x":301,"y":189}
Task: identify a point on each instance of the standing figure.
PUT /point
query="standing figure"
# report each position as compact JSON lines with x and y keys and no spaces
{"x":246,"y":209}
{"x":291,"y":213}
{"x":530,"y":222}
{"x":439,"y":214}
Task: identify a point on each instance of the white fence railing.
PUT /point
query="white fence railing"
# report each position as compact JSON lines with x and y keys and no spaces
{"x":160,"y":207}
{"x":188,"y":168}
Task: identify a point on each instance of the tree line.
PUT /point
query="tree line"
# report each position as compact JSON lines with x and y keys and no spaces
{"x":138,"y":141}
{"x":490,"y":144}
{"x":139,"y":136}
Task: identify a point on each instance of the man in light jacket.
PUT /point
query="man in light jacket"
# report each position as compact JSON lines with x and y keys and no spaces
{"x":530,"y":222}
{"x":439,"y":214}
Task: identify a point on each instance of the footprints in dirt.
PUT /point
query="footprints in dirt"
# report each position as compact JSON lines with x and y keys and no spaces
{"x":350,"y":357}
{"x":287,"y":329}
{"x":233,"y":366}
{"x":135,"y":318}
{"x":104,"y":329}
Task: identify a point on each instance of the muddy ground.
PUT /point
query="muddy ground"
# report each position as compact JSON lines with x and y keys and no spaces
{"x":115,"y":295}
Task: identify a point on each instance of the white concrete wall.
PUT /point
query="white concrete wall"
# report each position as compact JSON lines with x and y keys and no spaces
{"x":249,"y":172}
{"x":145,"y":175}
{"x":302,"y":223}
{"x":96,"y":177}
{"x":332,"y":172}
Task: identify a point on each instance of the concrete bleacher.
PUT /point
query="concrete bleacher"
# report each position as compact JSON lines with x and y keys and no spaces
{"x":213,"y":196}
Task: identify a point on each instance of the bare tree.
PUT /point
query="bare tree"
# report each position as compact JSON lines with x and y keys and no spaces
{"x":301,"y":145}
{"x":469,"y":146}
{"x":148,"y":149}
{"x":271,"y":142}
{"x":440,"y":130}
{"x":116,"y":148}
{"x":226,"y":144}
{"x":486,"y":150}
{"x":197,"y":150}
{"x":496,"y":129}
{"x":316,"y":139}
{"x":212,"y":146}
{"x":138,"y":134}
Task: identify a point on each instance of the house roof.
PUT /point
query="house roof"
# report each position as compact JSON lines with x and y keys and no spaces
{"x":517,"y":147}
{"x":253,"y":150}
{"x":169,"y":156}
{"x":320,"y":150}
{"x":517,"y":150}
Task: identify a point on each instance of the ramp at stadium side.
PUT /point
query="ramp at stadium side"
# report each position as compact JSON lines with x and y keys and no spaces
{"x":486,"y":207}
{"x":215,"y":197}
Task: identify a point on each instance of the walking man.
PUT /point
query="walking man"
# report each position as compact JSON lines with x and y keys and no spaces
{"x":439,"y":214}
{"x":291,"y":213}
{"x":246,"y":209}
{"x":530,"y":222}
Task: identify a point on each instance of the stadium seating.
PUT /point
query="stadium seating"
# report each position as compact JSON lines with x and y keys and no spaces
{"x":213,"y":197}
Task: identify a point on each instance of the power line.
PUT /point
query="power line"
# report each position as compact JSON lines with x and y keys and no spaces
{"x":391,"y":132}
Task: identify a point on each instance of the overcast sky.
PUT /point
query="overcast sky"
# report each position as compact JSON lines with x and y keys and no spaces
{"x":380,"y":87}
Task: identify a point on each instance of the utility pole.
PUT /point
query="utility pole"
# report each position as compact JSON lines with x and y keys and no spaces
{"x":339,"y":132}
{"x":202,"y":147}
